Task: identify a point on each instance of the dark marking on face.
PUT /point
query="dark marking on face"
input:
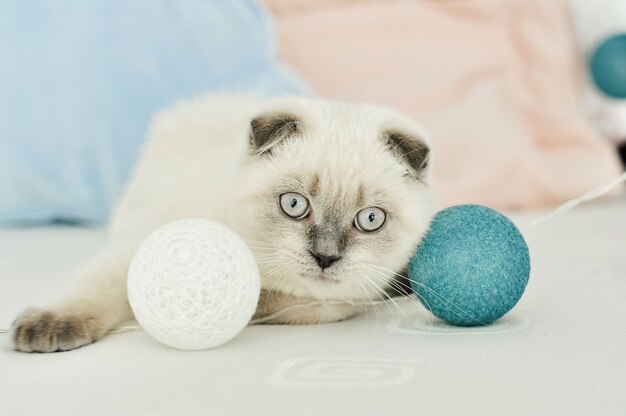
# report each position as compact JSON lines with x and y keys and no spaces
{"x":328,"y":238}
{"x":413,"y":151}
{"x":360,"y":196}
{"x":315,"y":185}
{"x":268,"y":130}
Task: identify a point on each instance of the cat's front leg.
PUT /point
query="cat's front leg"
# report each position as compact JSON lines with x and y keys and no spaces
{"x":98,"y":304}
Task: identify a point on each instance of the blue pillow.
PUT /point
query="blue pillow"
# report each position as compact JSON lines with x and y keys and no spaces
{"x":79,"y":82}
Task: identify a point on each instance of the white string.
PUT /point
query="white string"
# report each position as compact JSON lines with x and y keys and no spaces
{"x":588,"y":196}
{"x":561,"y":210}
{"x":317,"y":303}
{"x":127,"y":328}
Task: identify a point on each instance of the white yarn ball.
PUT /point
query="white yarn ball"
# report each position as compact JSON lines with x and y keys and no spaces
{"x":193,"y":284}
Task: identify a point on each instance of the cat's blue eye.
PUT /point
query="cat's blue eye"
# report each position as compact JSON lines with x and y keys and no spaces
{"x":294,"y":205}
{"x":370,"y":219}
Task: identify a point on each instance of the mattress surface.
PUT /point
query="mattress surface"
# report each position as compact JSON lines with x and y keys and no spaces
{"x":562,"y":350}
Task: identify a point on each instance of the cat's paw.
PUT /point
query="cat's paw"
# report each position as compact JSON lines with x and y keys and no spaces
{"x":36,"y":330}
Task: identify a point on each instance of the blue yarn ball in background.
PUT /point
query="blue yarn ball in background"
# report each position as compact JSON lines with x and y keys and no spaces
{"x":607,"y":65}
{"x":472,"y":266}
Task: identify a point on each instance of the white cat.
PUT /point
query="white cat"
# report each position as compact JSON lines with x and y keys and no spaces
{"x":332,"y":198}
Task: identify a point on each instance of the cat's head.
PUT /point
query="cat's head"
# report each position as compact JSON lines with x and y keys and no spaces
{"x":337,"y":196}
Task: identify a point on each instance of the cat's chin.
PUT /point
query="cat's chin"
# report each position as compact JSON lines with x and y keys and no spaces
{"x":323,"y":278}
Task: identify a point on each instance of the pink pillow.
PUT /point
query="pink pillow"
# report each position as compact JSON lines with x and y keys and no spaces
{"x":495,"y":82}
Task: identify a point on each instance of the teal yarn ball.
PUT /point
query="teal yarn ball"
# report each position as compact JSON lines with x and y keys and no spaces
{"x":607,"y":66}
{"x":472,"y":266}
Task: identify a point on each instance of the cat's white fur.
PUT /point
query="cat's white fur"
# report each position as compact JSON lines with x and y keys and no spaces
{"x":198,"y":162}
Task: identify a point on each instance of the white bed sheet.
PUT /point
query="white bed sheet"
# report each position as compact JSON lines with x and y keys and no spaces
{"x":562,"y":350}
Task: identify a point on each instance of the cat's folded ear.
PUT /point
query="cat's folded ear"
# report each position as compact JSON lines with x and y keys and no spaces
{"x":411,"y":150}
{"x":268,"y":130}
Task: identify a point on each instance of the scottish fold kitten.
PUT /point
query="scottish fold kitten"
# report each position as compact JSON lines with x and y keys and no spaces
{"x":332,"y":198}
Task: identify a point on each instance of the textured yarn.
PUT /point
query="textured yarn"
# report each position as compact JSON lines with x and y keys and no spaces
{"x":608,"y":66}
{"x":472,"y":266}
{"x":193,"y":284}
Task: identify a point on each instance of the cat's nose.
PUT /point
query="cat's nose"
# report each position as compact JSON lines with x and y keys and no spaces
{"x":323,"y":260}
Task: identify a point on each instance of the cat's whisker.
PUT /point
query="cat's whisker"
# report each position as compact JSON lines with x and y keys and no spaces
{"x":265,"y":249}
{"x":407,"y":288}
{"x":393,"y":284}
{"x":424,"y":302}
{"x":408,"y":297}
{"x":366,"y":305}
{"x":439,"y":296}
{"x":269,"y":250}
{"x":265,"y":245}
{"x":401,"y":287}
{"x":273,"y":253}
{"x":372,"y":275}
{"x":261,"y":247}
{"x":262,"y":257}
{"x":377,"y":292}
{"x":388,"y":298}
{"x":251,"y":240}
{"x":269,"y":259}
{"x":282,"y":274}
{"x":376,"y":311}
{"x":278,"y":267}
